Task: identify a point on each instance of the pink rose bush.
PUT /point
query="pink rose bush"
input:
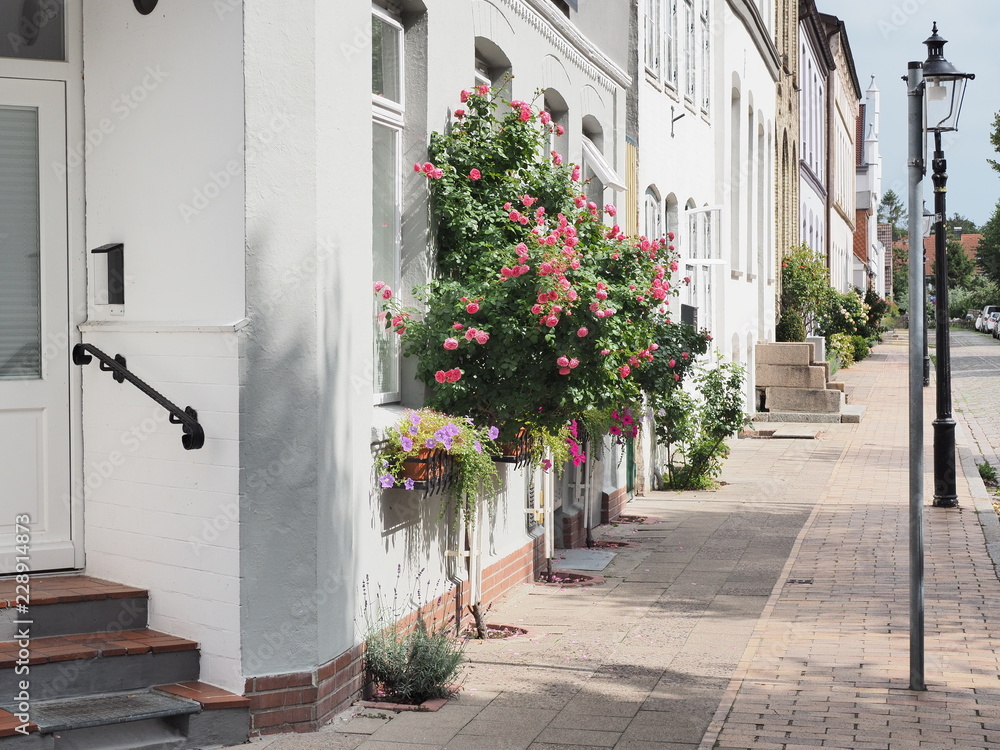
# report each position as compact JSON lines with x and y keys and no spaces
{"x":551,"y":316}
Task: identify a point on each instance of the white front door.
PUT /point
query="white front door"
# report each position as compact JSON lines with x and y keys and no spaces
{"x":34,"y":328}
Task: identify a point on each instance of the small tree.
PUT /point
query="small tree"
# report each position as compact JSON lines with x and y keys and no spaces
{"x":805,"y":287}
{"x":961,"y":268}
{"x":988,"y":252}
{"x":891,"y":211}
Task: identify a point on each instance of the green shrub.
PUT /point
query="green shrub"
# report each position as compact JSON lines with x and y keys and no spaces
{"x":407,"y":663}
{"x":790,"y":327}
{"x":842,"y":346}
{"x":860,"y":348}
{"x":988,"y":473}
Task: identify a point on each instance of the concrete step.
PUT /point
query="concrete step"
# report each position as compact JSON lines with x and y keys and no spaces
{"x":791,"y":376}
{"x":784,"y":353}
{"x":68,"y":605}
{"x":170,"y":717}
{"x":88,"y":664}
{"x":811,"y":400}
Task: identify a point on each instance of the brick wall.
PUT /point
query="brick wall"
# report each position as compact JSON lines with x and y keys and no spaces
{"x":305,"y":701}
{"x":574,"y":533}
{"x":861,"y":235}
{"x":613,"y":505}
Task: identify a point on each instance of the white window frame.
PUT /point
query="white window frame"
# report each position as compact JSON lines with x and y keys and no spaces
{"x":689,"y":51}
{"x":671,"y":43}
{"x":389,"y":114}
{"x":594,"y":160}
{"x":653,"y":216}
{"x":706,"y":56}
{"x":653,"y":37}
{"x":702,"y":254}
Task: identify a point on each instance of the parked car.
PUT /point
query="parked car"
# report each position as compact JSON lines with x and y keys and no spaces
{"x":983,"y":318}
{"x":990,"y":324}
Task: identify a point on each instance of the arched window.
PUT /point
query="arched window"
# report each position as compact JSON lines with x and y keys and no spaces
{"x":735,"y":143}
{"x":652,"y":214}
{"x":493,"y":67}
{"x":555,"y":105}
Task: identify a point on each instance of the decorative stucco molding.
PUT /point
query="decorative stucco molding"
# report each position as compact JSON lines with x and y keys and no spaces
{"x":567,"y":39}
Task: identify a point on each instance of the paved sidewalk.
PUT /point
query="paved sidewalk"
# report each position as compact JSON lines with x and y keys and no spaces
{"x":771,"y":613}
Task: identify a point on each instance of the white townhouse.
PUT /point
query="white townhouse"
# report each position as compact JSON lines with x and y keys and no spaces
{"x":706,"y":120}
{"x":869,"y":262}
{"x":204,"y":211}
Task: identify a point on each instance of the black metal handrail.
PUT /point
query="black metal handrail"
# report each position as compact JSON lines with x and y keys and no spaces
{"x":194,"y":435}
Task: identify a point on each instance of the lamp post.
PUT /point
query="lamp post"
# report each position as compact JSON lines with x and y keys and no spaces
{"x":928,"y":221}
{"x":944,"y":90}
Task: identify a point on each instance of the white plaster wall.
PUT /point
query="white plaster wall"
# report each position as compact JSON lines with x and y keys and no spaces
{"x":747,"y":297}
{"x":163,"y":109}
{"x":158,"y":516}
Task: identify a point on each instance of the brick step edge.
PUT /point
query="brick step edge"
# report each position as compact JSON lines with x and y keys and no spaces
{"x":90,"y":645}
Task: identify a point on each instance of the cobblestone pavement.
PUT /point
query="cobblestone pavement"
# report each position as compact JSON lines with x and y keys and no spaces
{"x":975,"y":380}
{"x":771,"y":613}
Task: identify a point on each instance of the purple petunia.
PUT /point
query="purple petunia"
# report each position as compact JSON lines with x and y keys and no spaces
{"x":478,"y":446}
{"x":414,"y":429}
{"x":430,"y":442}
{"x":408,"y":484}
{"x":493,"y":433}
{"x":406,"y":443}
{"x":387,"y":481}
{"x":414,"y":417}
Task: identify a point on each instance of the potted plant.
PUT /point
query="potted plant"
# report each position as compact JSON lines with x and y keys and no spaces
{"x":425,"y":443}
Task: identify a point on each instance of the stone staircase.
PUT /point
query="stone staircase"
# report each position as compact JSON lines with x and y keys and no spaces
{"x":80,"y":670}
{"x":793,"y":385}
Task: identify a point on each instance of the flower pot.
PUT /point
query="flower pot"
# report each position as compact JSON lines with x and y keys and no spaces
{"x":431,"y":470}
{"x":517,"y":450}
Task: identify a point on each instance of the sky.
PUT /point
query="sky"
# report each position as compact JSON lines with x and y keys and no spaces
{"x":887,"y":34}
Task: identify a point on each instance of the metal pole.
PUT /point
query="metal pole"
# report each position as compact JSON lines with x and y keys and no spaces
{"x":915,"y":175}
{"x":923,"y":296}
{"x":945,"y":491}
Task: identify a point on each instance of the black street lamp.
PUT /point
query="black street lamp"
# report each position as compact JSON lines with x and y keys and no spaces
{"x":928,"y":222}
{"x":944,"y":90}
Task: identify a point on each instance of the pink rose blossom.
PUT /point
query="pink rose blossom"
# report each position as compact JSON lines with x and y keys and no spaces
{"x":624,"y":371}
{"x":451,"y":343}
{"x":379,"y":286}
{"x":524,"y":220}
{"x":417,"y":167}
{"x":482,"y":337}
{"x":440,"y":376}
{"x":528,"y":201}
{"x":525,"y":114}
{"x":459,"y":113}
{"x":605,"y":352}
{"x":457,"y":326}
{"x":575,"y":174}
{"x":507,"y":206}
{"x":653,"y":347}
{"x":472,"y":308}
{"x":514,"y":216}
{"x":563,"y":361}
{"x":564,"y":371}
{"x":556,"y":158}
{"x":428,"y":167}
{"x":475,"y":174}
{"x":601,"y":294}
{"x":536,"y":309}
{"x":573,"y":363}
{"x":610,"y":209}
{"x":483,"y":90}
{"x":582,"y":331}
{"x":672,"y":363}
{"x":599,"y":313}
{"x":387,"y":293}
{"x":552,"y":321}
{"x":545,"y":117}
{"x":464,"y":96}
{"x":560,"y":130}
{"x":437,"y":174}
{"x":676,"y":376}
{"x":453,"y":375}
{"x":685,"y":355}
{"x":470,"y":333}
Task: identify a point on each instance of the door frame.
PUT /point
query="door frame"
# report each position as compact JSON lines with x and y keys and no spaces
{"x":70,"y":72}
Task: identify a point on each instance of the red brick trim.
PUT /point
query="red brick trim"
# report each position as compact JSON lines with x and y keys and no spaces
{"x":305,"y":701}
{"x":574,"y":533}
{"x":613,"y":505}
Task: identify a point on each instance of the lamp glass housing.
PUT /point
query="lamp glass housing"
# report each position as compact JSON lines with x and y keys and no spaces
{"x":943,"y":97}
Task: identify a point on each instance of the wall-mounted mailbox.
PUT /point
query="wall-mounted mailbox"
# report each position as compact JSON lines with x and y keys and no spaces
{"x":116,"y":271}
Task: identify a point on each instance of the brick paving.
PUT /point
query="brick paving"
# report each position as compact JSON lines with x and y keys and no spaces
{"x":771,"y":613}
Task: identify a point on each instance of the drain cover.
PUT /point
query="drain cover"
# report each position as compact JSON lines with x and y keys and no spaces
{"x":800,"y":580}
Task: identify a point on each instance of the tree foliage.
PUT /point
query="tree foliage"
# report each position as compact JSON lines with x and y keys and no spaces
{"x":892,"y":211}
{"x":961,"y":268}
{"x":988,"y":252}
{"x":805,"y":287}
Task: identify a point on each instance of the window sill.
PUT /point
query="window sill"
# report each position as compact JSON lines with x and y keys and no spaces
{"x":385,"y":416}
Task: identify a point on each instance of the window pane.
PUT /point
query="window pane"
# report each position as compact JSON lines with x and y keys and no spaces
{"x":385,"y":247}
{"x":32,"y":29}
{"x":386,"y":43}
{"x":20,"y":308}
